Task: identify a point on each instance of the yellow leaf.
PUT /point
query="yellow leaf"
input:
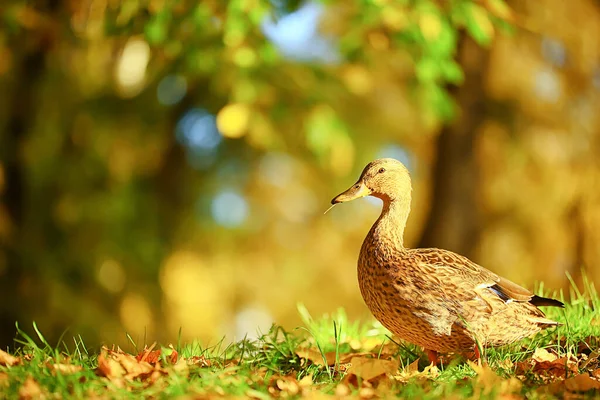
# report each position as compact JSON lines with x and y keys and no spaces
{"x":316,"y":357}
{"x":233,"y":120}
{"x":541,"y":355}
{"x":369,"y":368}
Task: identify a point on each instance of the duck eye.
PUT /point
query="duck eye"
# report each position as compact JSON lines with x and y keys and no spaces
{"x":381,"y":170}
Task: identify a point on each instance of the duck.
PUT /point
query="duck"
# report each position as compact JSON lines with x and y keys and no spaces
{"x":434,"y":298}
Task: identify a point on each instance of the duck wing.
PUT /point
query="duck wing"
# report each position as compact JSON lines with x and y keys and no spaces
{"x":469,"y":277}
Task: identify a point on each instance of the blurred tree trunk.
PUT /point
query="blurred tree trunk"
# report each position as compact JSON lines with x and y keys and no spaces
{"x":18,"y":278}
{"x":454,"y":222}
{"x":15,"y":275}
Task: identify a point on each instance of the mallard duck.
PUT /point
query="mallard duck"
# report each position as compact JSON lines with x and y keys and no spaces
{"x":434,"y":298}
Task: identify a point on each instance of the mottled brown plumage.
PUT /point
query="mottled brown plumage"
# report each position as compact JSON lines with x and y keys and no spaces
{"x":434,"y":298}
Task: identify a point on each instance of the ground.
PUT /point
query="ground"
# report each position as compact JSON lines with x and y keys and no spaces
{"x":327,"y":357}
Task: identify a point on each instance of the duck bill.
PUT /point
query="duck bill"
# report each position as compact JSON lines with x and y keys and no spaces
{"x":358,"y":190}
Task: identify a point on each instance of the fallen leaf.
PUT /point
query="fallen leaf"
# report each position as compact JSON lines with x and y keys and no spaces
{"x":174,"y":356}
{"x":200,"y":361}
{"x":366,"y":393}
{"x":149,"y":355}
{"x":134,"y":369}
{"x":581,"y":383}
{"x":7,"y":360}
{"x":66,"y":369}
{"x":369,"y":368}
{"x":316,"y":357}
{"x":548,"y":370}
{"x":288,"y":385}
{"x":342,"y":390}
{"x":413,"y":367}
{"x":306,"y":381}
{"x":30,"y":390}
{"x":489,"y":381}
{"x":108,"y":367}
{"x":543,"y":355}
{"x":593,"y":357}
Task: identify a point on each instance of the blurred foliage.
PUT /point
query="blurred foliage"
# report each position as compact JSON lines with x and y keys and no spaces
{"x":114,"y":217}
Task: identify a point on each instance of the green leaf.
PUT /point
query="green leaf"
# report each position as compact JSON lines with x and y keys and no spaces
{"x":156,"y":32}
{"x":452,"y":72}
{"x":478,"y":23}
{"x":446,"y":42}
{"x":428,"y":70}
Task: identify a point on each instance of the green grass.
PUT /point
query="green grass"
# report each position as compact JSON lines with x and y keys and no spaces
{"x":271,"y":367}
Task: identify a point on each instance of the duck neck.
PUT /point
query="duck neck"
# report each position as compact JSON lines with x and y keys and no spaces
{"x":390,"y":225}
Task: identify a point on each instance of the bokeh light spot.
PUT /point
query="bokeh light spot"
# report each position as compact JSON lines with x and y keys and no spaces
{"x":229,"y":208}
{"x":197,"y":131}
{"x":251,"y":321}
{"x":233,"y":120}
{"x":171,"y":90}
{"x":297,"y":36}
{"x":130,"y":70}
{"x":111,"y":276}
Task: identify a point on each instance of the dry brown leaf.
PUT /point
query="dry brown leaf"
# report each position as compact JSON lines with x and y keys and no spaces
{"x":31,"y":390}
{"x":367,"y":393}
{"x":316,"y":357}
{"x":133,"y":367}
{"x":200,"y":361}
{"x":174,"y":356}
{"x":543,"y":355}
{"x":412,"y":372}
{"x":289,"y":385}
{"x":369,"y":368}
{"x":306,"y":381}
{"x":582,"y":383}
{"x":118,"y":366}
{"x":149,"y":355}
{"x":109,"y":367}
{"x":413,"y":367}
{"x":342,"y":390}
{"x":66,"y":369}
{"x":549,"y":370}
{"x":7,"y":360}
{"x":489,"y":381}
{"x":592,"y":358}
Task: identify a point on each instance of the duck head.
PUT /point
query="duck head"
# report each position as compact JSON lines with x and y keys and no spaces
{"x":385,"y":178}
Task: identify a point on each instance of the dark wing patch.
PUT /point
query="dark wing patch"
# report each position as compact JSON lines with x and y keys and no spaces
{"x":500,"y":293}
{"x":543,"y":301}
